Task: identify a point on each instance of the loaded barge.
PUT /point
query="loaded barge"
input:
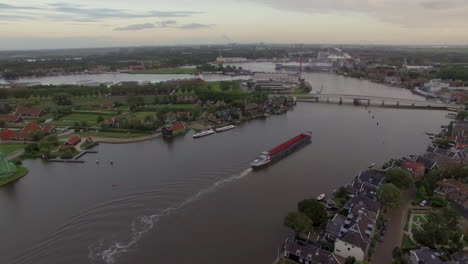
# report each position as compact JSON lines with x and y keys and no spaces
{"x":282,"y":150}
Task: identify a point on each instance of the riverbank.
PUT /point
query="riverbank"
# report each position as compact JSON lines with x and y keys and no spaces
{"x":21,"y":172}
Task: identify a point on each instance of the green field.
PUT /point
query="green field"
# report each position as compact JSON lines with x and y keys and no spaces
{"x":166,"y":71}
{"x":19,"y":173}
{"x":7,"y":148}
{"x":108,"y":134}
{"x":140,"y":115}
{"x":69,"y":120}
{"x":172,"y":107}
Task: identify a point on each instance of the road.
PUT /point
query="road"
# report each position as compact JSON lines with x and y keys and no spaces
{"x":394,"y":235}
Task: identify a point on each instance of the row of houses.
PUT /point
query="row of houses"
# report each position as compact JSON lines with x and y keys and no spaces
{"x":20,"y":113}
{"x":350,"y":234}
{"x":25,"y":133}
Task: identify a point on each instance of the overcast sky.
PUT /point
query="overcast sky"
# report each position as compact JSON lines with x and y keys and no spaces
{"x":101,"y":23}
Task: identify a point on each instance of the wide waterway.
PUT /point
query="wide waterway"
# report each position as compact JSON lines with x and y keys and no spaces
{"x":197,"y":201}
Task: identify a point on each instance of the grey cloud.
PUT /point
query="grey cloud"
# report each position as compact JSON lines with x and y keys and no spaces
{"x":76,"y":12}
{"x":135,"y":27}
{"x":410,"y":13}
{"x":194,"y":26}
{"x":166,"y":23}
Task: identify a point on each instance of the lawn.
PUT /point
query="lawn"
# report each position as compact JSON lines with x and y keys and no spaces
{"x":18,"y":174}
{"x":109,"y":134}
{"x":166,"y":71}
{"x":69,"y":120}
{"x":407,"y":243}
{"x":140,"y":115}
{"x":7,"y":148}
{"x":173,"y":107}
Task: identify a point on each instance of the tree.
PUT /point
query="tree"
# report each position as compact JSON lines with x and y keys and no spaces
{"x":421,"y":193}
{"x":135,"y":102}
{"x":62,"y":99}
{"x":298,"y":222}
{"x":350,"y":260}
{"x":399,"y":178}
{"x":37,"y":135}
{"x":32,"y":147}
{"x":2,"y":124}
{"x":438,"y":201}
{"x":442,"y":143}
{"x":314,"y":210}
{"x":389,"y":195}
{"x":99,"y":119}
{"x":397,"y":253}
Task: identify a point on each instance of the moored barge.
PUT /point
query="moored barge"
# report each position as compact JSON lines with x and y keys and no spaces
{"x":281,"y":150}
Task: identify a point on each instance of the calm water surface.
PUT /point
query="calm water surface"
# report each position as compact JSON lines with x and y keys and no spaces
{"x":197,"y":201}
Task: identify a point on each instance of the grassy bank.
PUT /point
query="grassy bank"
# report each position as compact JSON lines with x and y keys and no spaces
{"x":19,"y":173}
{"x":167,"y":71}
{"x":108,"y":134}
{"x":7,"y":148}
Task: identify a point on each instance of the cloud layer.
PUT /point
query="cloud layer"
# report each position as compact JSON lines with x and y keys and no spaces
{"x":420,"y":13}
{"x":162,"y":24}
{"x":80,"y":13}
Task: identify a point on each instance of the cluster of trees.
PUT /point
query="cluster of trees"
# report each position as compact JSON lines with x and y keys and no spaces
{"x":44,"y":147}
{"x":311,"y":215}
{"x":441,"y":229}
{"x":218,"y":68}
{"x":389,"y":193}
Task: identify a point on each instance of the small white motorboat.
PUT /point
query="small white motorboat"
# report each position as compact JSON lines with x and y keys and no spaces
{"x":321,"y":197}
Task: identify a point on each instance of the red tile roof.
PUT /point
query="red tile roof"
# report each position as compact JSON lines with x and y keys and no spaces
{"x":7,"y":134}
{"x":74,"y":140}
{"x":90,"y":139}
{"x":11,"y":117}
{"x":31,"y":111}
{"x":48,"y":129}
{"x":177,"y":126}
{"x":413,"y":166}
{"x":30,"y":127}
{"x":453,"y":182}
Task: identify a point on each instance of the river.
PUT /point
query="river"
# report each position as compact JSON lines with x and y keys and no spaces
{"x":197,"y":201}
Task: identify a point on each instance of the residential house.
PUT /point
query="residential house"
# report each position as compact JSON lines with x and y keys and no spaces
{"x":363,"y":202}
{"x":7,"y":134}
{"x":30,"y":111}
{"x":358,"y":230}
{"x":416,"y":169}
{"x":170,"y":118}
{"x":184,"y":115}
{"x":11,"y":118}
{"x":334,"y":228}
{"x":461,"y":257}
{"x":424,"y":256}
{"x":428,"y":163}
{"x":371,"y":177}
{"x":453,"y":190}
{"x":300,"y":252}
{"x":73,"y":141}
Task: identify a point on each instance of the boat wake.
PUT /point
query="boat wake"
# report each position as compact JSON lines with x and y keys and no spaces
{"x":100,"y":252}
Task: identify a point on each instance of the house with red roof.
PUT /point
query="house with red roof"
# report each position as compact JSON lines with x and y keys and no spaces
{"x":73,"y":141}
{"x":7,"y":134}
{"x":136,"y":67}
{"x":30,"y":111}
{"x":416,"y":169}
{"x":453,"y":190}
{"x":11,"y":118}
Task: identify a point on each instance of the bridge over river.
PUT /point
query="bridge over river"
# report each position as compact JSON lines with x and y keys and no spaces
{"x":374,"y":100}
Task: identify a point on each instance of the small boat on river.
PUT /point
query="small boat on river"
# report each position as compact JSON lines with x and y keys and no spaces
{"x":224,"y":128}
{"x":321,"y":197}
{"x":204,"y":133}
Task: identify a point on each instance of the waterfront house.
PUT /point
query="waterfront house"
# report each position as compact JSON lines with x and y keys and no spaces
{"x":416,"y":169}
{"x":73,"y":141}
{"x":7,"y":134}
{"x":11,"y":118}
{"x":371,"y":177}
{"x":30,"y":111}
{"x":174,"y":129}
{"x":334,"y":228}
{"x":358,"y":229}
{"x":453,"y":190}
{"x":363,"y":202}
{"x":299,"y":252}
{"x":428,"y":163}
{"x":424,"y":256}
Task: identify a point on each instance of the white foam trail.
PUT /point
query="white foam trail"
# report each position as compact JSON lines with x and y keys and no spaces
{"x":142,"y":224}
